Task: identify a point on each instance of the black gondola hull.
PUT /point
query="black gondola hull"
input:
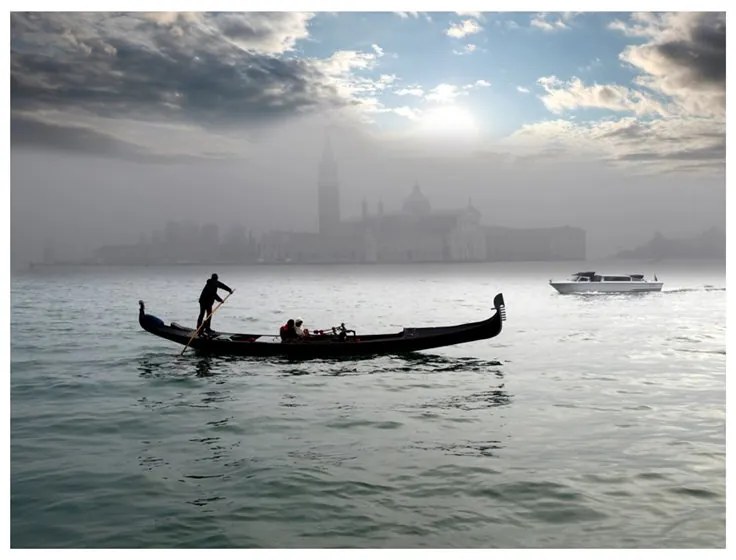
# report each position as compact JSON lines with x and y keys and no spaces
{"x":407,"y":340}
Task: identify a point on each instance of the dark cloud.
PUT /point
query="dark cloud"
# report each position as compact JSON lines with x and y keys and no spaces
{"x":630,"y":132}
{"x":28,"y":132}
{"x":701,"y":57}
{"x":686,"y":59}
{"x":184,"y":68}
{"x":717,"y":153}
{"x":609,"y":95}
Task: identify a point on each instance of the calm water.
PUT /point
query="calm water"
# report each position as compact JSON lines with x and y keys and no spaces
{"x":590,"y":421}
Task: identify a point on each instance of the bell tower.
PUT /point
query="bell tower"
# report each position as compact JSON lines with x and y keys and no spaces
{"x":329,"y":191}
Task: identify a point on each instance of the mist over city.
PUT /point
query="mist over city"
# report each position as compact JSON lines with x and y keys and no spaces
{"x":122,"y":123}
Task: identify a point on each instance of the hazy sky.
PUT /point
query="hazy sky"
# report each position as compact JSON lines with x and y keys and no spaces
{"x":614,"y":122}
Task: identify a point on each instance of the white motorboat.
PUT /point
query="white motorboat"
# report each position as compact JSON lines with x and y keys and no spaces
{"x":593,"y":283}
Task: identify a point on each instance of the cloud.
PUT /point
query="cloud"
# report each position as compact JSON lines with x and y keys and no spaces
{"x":552,"y":22}
{"x":31,"y":132}
{"x":477,"y":15}
{"x":188,"y":67}
{"x":343,"y":62}
{"x":416,"y":91}
{"x":465,"y":27}
{"x":444,"y":93}
{"x":640,"y":24}
{"x":522,"y":89}
{"x":214,"y":71}
{"x":341,"y":72}
{"x":573,"y":94}
{"x":467,"y":49}
{"x":676,"y":102}
{"x":685,"y":58}
{"x":262,"y":32}
{"x":661,"y":145}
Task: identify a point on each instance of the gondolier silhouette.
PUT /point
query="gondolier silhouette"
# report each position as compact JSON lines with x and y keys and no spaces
{"x":206,"y":299}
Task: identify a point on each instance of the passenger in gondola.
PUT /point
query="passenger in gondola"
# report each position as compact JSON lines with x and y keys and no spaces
{"x":288,"y":331}
{"x":300,"y":330}
{"x":342,"y":332}
{"x":206,"y":299}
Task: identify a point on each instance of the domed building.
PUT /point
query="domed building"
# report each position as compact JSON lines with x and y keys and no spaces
{"x":416,"y":204}
{"x":415,"y":233}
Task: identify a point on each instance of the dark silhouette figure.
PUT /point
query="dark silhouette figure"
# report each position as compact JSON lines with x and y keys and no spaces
{"x":206,"y":299}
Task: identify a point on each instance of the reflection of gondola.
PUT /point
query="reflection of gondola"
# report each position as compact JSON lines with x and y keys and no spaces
{"x":204,"y":367}
{"x":326,"y":346}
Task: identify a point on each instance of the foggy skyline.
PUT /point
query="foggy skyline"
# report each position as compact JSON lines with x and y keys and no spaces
{"x":120,"y":122}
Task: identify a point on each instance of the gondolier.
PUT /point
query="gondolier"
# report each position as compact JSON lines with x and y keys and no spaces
{"x":207,"y":299}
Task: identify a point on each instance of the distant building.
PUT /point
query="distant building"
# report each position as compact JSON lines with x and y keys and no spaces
{"x":710,"y":244}
{"x":416,"y":233}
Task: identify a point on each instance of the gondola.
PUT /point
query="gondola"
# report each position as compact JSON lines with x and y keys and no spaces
{"x":328,"y":345}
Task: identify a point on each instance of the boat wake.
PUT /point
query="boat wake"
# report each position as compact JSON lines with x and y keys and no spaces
{"x":687,"y":290}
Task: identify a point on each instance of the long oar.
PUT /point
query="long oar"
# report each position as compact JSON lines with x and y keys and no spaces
{"x":204,"y":321}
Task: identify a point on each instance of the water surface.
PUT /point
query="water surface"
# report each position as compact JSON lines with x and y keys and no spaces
{"x":590,"y":421}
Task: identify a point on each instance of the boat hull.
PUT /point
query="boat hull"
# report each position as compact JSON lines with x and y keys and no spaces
{"x":606,"y":287}
{"x":328,"y":346}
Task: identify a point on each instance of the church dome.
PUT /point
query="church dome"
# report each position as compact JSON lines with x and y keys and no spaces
{"x":416,"y":202}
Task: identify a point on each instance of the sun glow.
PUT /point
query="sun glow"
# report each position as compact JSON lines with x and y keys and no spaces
{"x":448,"y":120}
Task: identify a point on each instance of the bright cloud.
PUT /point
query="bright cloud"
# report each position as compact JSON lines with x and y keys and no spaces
{"x":342,"y":62}
{"x":444,"y":93}
{"x":465,"y":27}
{"x":551,"y":22}
{"x":476,"y":15}
{"x":571,"y":95}
{"x":467,"y":49}
{"x":414,"y":90}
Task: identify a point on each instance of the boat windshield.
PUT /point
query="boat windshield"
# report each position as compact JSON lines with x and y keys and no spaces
{"x":582,"y":276}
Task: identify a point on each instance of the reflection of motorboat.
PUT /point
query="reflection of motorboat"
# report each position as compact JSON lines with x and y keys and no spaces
{"x":590,"y":282}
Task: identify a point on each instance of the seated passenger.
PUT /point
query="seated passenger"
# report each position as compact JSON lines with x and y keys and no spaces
{"x":300,"y":330}
{"x":342,"y":332}
{"x":288,"y":331}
